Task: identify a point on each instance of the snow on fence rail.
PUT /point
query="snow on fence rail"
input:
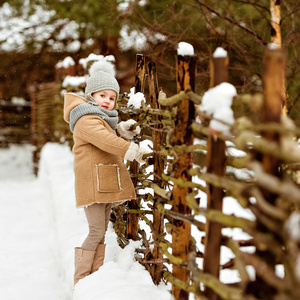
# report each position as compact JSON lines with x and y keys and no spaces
{"x":182,"y":214}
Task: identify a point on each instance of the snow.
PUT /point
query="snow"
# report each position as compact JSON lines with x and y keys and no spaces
{"x":94,"y":57}
{"x":66,"y":63}
{"x":129,"y":39}
{"x":274,"y":45}
{"x":123,"y":6}
{"x":292,"y":226}
{"x":185,"y":49}
{"x":135,"y":99}
{"x":40,"y":227}
{"x":137,"y":40}
{"x":17,"y":31}
{"x":73,"y":81}
{"x":216,"y":103}
{"x":220,"y":52}
{"x":19,"y":101}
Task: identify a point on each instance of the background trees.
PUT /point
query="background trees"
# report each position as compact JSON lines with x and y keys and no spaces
{"x":53,"y":29}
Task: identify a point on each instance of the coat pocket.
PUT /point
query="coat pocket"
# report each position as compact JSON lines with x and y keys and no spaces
{"x":108,"y":178}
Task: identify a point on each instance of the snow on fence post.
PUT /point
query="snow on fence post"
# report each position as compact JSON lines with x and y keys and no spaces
{"x":215,"y":163}
{"x":183,"y":135}
{"x":158,"y":218}
{"x":132,"y":218}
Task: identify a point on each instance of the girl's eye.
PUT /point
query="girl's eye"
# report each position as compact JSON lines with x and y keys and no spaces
{"x":102,"y":95}
{"x":112,"y":99}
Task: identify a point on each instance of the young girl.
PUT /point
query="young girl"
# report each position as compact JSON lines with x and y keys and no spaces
{"x":101,"y":178}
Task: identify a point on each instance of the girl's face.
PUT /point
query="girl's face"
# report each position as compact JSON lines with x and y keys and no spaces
{"x":105,"y":99}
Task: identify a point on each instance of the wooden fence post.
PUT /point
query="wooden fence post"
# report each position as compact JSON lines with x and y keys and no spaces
{"x":133,"y":219}
{"x":33,"y":90}
{"x":216,"y":165}
{"x":274,"y":63}
{"x":158,"y":219}
{"x":275,"y":22}
{"x":181,"y":231}
{"x":277,"y":41}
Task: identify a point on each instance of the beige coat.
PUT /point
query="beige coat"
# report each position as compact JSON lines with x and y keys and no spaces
{"x":100,"y":173}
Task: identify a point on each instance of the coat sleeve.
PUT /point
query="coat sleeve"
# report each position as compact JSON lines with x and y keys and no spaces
{"x":92,"y":130}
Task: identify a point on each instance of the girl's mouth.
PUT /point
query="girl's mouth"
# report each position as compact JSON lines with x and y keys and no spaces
{"x":105,"y":107}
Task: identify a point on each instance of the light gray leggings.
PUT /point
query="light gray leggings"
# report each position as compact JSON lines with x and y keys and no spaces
{"x":97,"y":215}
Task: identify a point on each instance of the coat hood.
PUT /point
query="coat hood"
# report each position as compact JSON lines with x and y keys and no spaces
{"x":71,"y":100}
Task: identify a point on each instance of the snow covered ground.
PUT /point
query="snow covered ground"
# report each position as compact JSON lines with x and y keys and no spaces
{"x":39,"y":228}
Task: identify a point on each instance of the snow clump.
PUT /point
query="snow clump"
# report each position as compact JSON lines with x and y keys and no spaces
{"x":185,"y":49}
{"x":66,"y":63}
{"x":220,"y":52}
{"x":292,"y":226}
{"x":94,"y":57}
{"x":216,"y":103}
{"x":73,"y":81}
{"x":135,"y":100}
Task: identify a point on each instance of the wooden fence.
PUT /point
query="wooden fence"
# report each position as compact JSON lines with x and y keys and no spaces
{"x":177,"y":182}
{"x":47,"y":124}
{"x":14,"y":122}
{"x":173,"y":207}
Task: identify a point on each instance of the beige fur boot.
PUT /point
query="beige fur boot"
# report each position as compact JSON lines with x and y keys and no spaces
{"x":99,"y":257}
{"x":83,"y":263}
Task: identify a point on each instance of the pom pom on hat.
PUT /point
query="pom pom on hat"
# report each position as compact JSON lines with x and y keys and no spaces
{"x":102,"y":77}
{"x":102,"y":65}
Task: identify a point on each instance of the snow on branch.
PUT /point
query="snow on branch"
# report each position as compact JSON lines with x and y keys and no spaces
{"x":66,"y":63}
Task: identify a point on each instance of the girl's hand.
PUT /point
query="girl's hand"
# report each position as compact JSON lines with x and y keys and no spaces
{"x":124,"y":129}
{"x":136,"y":153}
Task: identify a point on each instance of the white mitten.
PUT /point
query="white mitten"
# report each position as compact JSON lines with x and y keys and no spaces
{"x":134,"y":152}
{"x":124,"y":129}
{"x":131,"y":152}
{"x":139,"y":156}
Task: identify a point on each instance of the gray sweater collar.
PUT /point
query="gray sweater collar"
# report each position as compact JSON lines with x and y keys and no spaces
{"x":110,"y":116}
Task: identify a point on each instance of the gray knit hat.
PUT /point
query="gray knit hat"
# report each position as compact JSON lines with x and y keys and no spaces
{"x":102,"y":77}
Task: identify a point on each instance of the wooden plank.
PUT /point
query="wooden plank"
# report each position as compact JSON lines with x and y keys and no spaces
{"x":33,"y":92}
{"x":274,"y":64}
{"x":158,"y":168}
{"x":132,"y":219}
{"x":215,"y":163}
{"x":181,"y":231}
